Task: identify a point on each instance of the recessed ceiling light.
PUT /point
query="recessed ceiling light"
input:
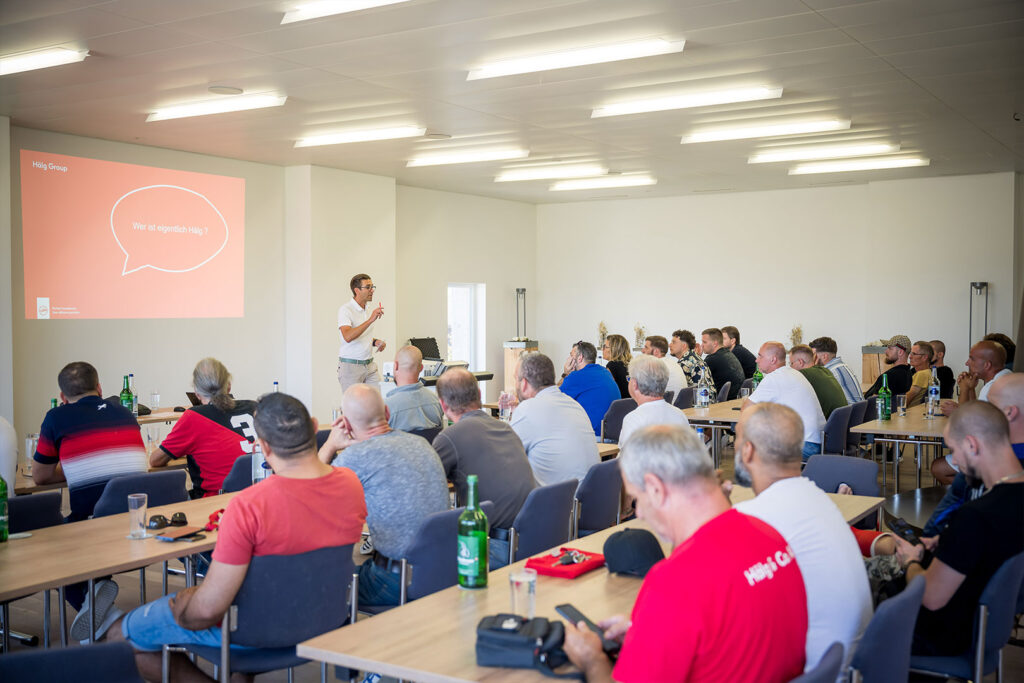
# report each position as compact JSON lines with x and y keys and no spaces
{"x":326,"y":8}
{"x":766,"y":131}
{"x":825,"y":152}
{"x":468,"y":156}
{"x":549,"y":172}
{"x":578,"y":57}
{"x":858,"y":165}
{"x":366,"y":135}
{"x":219,"y":106}
{"x":225,"y":90}
{"x":39,"y":59}
{"x":686,"y":101}
{"x":626,"y":180}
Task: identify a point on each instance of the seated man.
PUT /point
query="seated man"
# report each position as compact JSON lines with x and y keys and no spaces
{"x":403,"y":482}
{"x":921,"y":356}
{"x":731,"y":341}
{"x":900,"y":374}
{"x":684,"y":349}
{"x":554,"y":429}
{"x":729,"y":575}
{"x":1007,"y":343}
{"x":947,"y":381}
{"x":211,"y":435}
{"x":305,"y":507}
{"x":768,"y":441}
{"x":412,"y":405}
{"x":981,"y":536}
{"x":826,"y":386}
{"x":825,"y":349}
{"x":647,"y":379}
{"x":591,"y":385}
{"x":478,"y":444}
{"x":657,"y":346}
{"x":724,"y":366}
{"x":782,"y":384}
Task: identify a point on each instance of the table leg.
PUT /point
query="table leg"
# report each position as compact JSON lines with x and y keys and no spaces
{"x":6,"y":616}
{"x":897,"y":450}
{"x":917,"y":457}
{"x":92,"y":610}
{"x":46,"y":619}
{"x":190,"y":571}
{"x":715,"y":445}
{"x":874,"y":449}
{"x":62,"y":615}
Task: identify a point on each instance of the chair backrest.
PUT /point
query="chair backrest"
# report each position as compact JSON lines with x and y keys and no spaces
{"x":748,"y":383}
{"x":38,"y":511}
{"x":836,"y":427}
{"x":99,"y":663}
{"x":321,"y":437}
{"x":870,"y":410}
{"x":1000,"y":598}
{"x":427,"y":434}
{"x":827,"y":669}
{"x":162,"y":488}
{"x":829,"y":471}
{"x":286,"y":599}
{"x":240,"y":476}
{"x":860,"y":408}
{"x":668,"y":396}
{"x":598,"y":495}
{"x":883,"y":653}
{"x":611,"y":423}
{"x":543,"y":521}
{"x":723,"y":393}
{"x":684,"y":398}
{"x":433,"y":553}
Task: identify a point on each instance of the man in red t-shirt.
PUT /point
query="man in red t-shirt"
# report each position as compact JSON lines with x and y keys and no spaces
{"x":727,"y":605}
{"x":307,"y":506}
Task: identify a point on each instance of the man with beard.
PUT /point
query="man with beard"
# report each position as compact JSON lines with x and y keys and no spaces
{"x":900,"y":375}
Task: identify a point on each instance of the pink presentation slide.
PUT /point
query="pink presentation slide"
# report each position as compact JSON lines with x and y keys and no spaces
{"x":110,"y":240}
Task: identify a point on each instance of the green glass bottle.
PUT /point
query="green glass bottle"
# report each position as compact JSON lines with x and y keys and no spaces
{"x":3,"y":510}
{"x":53,"y":403}
{"x":885,"y":398}
{"x":126,"y":394}
{"x":472,"y":558}
{"x":757,"y":377}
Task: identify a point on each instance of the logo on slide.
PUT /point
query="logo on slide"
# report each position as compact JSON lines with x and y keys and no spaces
{"x":42,"y":308}
{"x":167,"y":228}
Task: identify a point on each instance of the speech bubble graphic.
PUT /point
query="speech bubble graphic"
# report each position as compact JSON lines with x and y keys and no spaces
{"x":167,"y":228}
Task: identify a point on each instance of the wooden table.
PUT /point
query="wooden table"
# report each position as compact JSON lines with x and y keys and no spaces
{"x":432,"y":639}
{"x":23,"y":484}
{"x":716,"y":417}
{"x":913,"y":428}
{"x":165,"y":415}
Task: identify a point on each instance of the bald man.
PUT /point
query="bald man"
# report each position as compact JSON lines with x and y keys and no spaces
{"x":782,"y":384}
{"x":403,"y":482}
{"x":412,"y":405}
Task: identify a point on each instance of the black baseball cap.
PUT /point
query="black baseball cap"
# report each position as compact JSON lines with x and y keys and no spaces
{"x":632,"y":552}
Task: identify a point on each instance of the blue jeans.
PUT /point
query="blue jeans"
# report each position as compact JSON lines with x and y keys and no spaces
{"x":150,"y":627}
{"x":378,"y":586}
{"x":811,"y":448}
{"x":497,"y":553}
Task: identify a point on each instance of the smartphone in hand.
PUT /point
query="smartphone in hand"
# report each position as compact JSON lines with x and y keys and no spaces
{"x":574,"y":616}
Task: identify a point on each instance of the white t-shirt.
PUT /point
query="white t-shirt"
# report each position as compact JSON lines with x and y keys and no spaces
{"x":557,"y":435}
{"x":790,"y":388}
{"x":652,"y":413}
{"x":983,"y":394}
{"x":838,"y":595}
{"x":360,"y":348}
{"x":676,"y":377}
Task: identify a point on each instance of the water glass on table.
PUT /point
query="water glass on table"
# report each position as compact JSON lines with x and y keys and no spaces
{"x":505,"y":406}
{"x":744,"y":392}
{"x":523,"y":592}
{"x":901,"y":404}
{"x":154,"y":400}
{"x":137,"y":504}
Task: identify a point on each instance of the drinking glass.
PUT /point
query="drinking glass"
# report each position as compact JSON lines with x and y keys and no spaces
{"x":744,"y":392}
{"x":505,"y":406}
{"x":901,"y":404}
{"x":523,"y":586}
{"x":335,"y":414}
{"x":154,"y":400}
{"x":137,"y":503}
{"x":31,"y":446}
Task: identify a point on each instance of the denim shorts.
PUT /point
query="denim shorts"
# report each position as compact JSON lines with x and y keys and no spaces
{"x":151,"y":626}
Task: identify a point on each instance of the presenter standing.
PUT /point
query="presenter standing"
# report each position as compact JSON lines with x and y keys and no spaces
{"x":355,"y":321}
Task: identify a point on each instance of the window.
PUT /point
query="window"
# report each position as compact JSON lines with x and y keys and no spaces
{"x":467,"y":322}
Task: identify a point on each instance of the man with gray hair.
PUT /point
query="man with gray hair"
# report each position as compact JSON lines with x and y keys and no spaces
{"x":782,"y":384}
{"x":731,"y":588}
{"x":647,"y":379}
{"x":769,"y":438}
{"x":554,"y":429}
{"x":411,"y":405}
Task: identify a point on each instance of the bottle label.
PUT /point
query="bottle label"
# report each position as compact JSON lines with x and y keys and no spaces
{"x":471,"y":551}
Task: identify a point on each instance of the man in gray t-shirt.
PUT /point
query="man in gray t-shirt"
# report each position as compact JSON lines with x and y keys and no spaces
{"x":402,"y":479}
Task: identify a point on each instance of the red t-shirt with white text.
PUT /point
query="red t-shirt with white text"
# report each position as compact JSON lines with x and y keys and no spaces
{"x":728,"y":605}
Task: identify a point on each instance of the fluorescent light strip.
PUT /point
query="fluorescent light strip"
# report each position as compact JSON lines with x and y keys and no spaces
{"x":40,"y":59}
{"x":579,"y":57}
{"x":326,"y":8}
{"x":858,"y":165}
{"x":766,"y":131}
{"x":362,"y":136}
{"x":698,"y":99}
{"x":220,"y":106}
{"x":551,"y":172}
{"x":604,"y":182}
{"x":831,"y":152}
{"x":468,"y":156}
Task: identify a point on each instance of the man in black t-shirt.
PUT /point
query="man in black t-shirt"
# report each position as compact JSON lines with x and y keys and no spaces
{"x":731,"y":341}
{"x":947,"y":380}
{"x":981,"y":535}
{"x":900,"y":376}
{"x":724,"y":366}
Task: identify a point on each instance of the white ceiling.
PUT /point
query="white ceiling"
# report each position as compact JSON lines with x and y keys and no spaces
{"x":941,"y":77}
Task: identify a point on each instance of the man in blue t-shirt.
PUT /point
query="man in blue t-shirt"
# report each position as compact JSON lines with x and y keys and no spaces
{"x":591,"y":385}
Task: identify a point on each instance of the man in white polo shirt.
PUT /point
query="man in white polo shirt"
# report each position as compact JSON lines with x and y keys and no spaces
{"x":782,"y":384}
{"x":648,"y":377}
{"x":355,"y":356}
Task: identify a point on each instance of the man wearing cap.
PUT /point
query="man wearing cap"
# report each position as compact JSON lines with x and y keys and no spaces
{"x":355,"y":355}
{"x":749,"y":592}
{"x":900,"y":375}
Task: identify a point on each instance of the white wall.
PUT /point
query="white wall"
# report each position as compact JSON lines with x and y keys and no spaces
{"x":447,"y":237}
{"x":6,"y":336}
{"x":856,"y":263}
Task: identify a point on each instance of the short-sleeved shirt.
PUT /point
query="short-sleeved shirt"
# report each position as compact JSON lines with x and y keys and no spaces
{"x":725,"y":367}
{"x":212,"y":439}
{"x":413,"y":406}
{"x":921,"y":380}
{"x":352,"y":315}
{"x":478,"y":444}
{"x":847,"y":380}
{"x":620,"y":373}
{"x":790,"y":388}
{"x":983,"y":394}
{"x":651,"y":413}
{"x":676,"y":377}
{"x":719,"y":611}
{"x":947,"y":382}
{"x":747,"y":360}
{"x":287,"y":516}
{"x":557,"y":435}
{"x":403,"y":482}
{"x":826,"y":388}
{"x":594,"y":388}
{"x":899,"y":378}
{"x":696,"y":369}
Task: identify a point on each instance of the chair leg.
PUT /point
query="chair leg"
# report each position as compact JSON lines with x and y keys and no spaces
{"x":142,"y":585}
{"x":999,"y":667}
{"x":979,"y":648}
{"x":513,"y":544}
{"x":323,"y":672}
{"x":225,"y":646}
{"x":62,"y":615}
{"x":165,"y":664}
{"x":291,"y":675}
{"x":403,"y":579}
{"x":353,"y":599}
{"x":163,"y":579}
